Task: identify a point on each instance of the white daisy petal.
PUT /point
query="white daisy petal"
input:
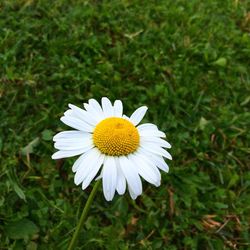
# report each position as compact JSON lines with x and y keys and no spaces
{"x":148,"y":160}
{"x":75,"y":140}
{"x":147,"y":126}
{"x":131,"y":175}
{"x":71,"y":135}
{"x":77,"y":124}
{"x":67,"y":153}
{"x":92,"y":109}
{"x":118,"y":108}
{"x":152,"y":132}
{"x":70,"y":112}
{"x":82,"y":114}
{"x":156,"y":159}
{"x":78,"y":162}
{"x":138,"y":115}
{"x":95,"y":105}
{"x":157,"y":150}
{"x":107,"y":107}
{"x":160,"y":163}
{"x":149,"y":172}
{"x":126,"y":118}
{"x":109,"y":178}
{"x":84,"y":144}
{"x":121,"y":181}
{"x":149,"y":129}
{"x":155,"y":140}
{"x":93,"y":172}
{"x":86,"y":106}
{"x":132,"y":194}
{"x":85,"y":165}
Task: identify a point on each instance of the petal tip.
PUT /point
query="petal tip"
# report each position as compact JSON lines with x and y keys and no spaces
{"x":105,"y":99}
{"x":62,"y":118}
{"x":77,"y":182}
{"x":55,"y":157}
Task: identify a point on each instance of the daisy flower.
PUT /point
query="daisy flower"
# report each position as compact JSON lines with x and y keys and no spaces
{"x":114,"y":145}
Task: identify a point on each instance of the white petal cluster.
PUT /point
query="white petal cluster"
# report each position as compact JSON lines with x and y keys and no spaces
{"x":116,"y":172}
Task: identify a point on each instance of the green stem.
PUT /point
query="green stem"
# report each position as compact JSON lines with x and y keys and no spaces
{"x":83,"y":216}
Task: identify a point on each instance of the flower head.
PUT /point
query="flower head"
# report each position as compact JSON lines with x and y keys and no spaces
{"x":114,"y":145}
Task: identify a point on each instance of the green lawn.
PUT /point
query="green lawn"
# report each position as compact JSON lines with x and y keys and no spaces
{"x":188,"y":61}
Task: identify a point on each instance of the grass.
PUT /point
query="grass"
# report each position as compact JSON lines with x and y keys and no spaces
{"x":188,"y":61}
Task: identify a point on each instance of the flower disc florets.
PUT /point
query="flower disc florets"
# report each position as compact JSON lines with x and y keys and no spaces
{"x":116,"y":136}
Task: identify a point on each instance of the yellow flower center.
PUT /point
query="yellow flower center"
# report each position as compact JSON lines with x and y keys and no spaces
{"x":116,"y":136}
